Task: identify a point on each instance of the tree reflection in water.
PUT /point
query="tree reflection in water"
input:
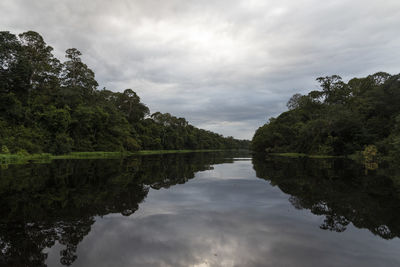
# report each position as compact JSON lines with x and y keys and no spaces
{"x":338,"y":189}
{"x":45,"y":204}
{"x":56,"y":204}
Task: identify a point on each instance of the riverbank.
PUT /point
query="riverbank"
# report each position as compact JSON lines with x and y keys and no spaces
{"x":46,"y":157}
{"x":302,"y":155}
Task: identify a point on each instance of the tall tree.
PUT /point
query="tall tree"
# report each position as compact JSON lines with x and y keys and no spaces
{"x":45,"y":68}
{"x":78,"y":80}
{"x":129,"y":103}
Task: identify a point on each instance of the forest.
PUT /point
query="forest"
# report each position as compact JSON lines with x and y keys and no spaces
{"x":56,"y":107}
{"x":360,"y":116}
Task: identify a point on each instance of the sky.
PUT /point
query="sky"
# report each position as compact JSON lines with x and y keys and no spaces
{"x":226,"y":66}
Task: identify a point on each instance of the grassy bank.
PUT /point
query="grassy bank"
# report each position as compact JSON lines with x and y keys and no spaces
{"x":46,"y":157}
{"x":24,"y":158}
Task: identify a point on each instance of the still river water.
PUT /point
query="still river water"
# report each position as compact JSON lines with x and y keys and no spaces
{"x":199,"y":209}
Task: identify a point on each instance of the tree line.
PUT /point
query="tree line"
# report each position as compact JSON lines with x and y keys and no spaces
{"x":51,"y":106}
{"x":340,"y":119}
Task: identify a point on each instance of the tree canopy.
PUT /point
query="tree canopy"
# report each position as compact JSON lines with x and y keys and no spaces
{"x":51,"y":106}
{"x":341,"y":118}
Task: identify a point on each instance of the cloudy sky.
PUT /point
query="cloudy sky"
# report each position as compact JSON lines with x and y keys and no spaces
{"x":226,"y":65}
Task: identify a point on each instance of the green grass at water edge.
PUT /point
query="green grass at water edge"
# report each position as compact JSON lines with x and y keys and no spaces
{"x":91,"y":155}
{"x":24,"y":158}
{"x":152,"y":152}
{"x":46,"y":157}
{"x":105,"y":155}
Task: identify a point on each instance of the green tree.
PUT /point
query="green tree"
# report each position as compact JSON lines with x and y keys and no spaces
{"x":77,"y":80}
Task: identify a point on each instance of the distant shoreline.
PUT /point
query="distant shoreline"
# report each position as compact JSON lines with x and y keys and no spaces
{"x":47,"y":157}
{"x":302,"y":155}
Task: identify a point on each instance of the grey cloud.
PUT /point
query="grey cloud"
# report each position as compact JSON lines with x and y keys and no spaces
{"x":217,"y":63}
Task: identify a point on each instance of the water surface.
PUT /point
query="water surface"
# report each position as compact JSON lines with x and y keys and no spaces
{"x":199,"y":209}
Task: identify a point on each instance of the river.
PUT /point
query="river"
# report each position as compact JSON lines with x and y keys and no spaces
{"x":199,"y":209}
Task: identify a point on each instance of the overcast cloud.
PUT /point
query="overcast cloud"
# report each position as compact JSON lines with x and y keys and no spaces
{"x":226,"y":66}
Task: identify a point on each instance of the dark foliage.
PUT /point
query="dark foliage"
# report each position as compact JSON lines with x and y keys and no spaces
{"x":42,"y":204}
{"x":340,"y":190}
{"x":341,"y":119}
{"x":50,"y":106}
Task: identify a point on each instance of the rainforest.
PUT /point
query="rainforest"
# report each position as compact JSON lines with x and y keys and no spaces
{"x":49,"y":106}
{"x":342,"y":118}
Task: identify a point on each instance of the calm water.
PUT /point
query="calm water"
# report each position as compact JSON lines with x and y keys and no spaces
{"x":200,"y":209}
